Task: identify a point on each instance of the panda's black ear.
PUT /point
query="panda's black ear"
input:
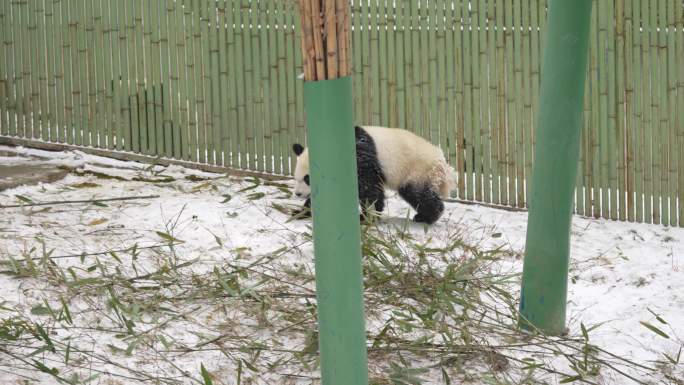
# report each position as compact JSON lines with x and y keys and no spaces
{"x":298,"y":149}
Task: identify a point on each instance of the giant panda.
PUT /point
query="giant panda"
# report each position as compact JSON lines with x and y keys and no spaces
{"x":390,"y":158}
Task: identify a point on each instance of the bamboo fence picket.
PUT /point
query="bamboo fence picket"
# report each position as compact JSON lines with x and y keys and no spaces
{"x":218,"y":82}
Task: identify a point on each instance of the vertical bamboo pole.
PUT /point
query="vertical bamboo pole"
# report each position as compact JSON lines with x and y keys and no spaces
{"x":5,"y":52}
{"x":290,"y":73}
{"x":502,"y":121}
{"x":275,"y":92}
{"x":416,"y":89}
{"x":211,"y":76}
{"x":258,"y":156}
{"x":612,"y":145}
{"x":79,"y":70}
{"x":282,"y":88}
{"x":605,"y":23}
{"x":469,"y":126}
{"x":665,"y":148}
{"x":92,"y":130}
{"x":519,"y":105}
{"x":630,"y":121}
{"x":451,"y":113}
{"x":19,"y":34}
{"x":110,"y":73}
{"x":476,"y":130}
{"x":640,"y":37}
{"x":545,"y":271}
{"x":299,"y":85}
{"x":232,"y":47}
{"x":68,"y":53}
{"x":375,"y":65}
{"x":430,"y":88}
{"x":493,"y":91}
{"x":99,"y":109}
{"x":620,"y":212}
{"x":679,"y":41}
{"x":671,"y":123}
{"x":43,"y":62}
{"x":205,"y":123}
{"x":527,"y":98}
{"x":485,"y":131}
{"x":357,"y":69}
{"x":511,"y":157}
{"x":36,"y":54}
{"x":194,"y":60}
{"x":150,"y":47}
{"x":9,"y":27}
{"x":383,"y":72}
{"x":266,"y":133}
{"x":173,"y":97}
{"x":126,"y":78}
{"x":365,"y":91}
{"x":459,"y":69}
{"x":335,"y":222}
{"x":392,"y":64}
{"x":50,"y":81}
{"x":652,"y":143}
{"x":138,"y":100}
{"x":400,"y":60}
{"x":165,"y":103}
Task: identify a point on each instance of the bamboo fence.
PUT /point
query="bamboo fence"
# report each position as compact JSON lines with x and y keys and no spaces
{"x":219,"y":82}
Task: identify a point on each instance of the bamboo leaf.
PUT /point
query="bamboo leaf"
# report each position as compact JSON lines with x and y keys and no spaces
{"x":168,"y":237}
{"x":206,"y":376}
{"x":654,"y":329}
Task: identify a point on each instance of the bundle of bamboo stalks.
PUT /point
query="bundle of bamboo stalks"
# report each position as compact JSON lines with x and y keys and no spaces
{"x":325,"y":38}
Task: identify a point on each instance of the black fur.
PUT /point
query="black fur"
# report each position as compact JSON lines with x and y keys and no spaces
{"x":298,"y":149}
{"x":371,"y":178}
{"x":425,"y":200}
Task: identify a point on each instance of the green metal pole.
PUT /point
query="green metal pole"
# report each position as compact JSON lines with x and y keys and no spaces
{"x":337,"y":237}
{"x":556,"y":155}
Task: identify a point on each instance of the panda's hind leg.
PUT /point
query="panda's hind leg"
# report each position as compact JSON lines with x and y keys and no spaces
{"x":425,"y":200}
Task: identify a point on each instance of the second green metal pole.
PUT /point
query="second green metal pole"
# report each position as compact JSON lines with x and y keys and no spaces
{"x":556,"y":154}
{"x":337,"y":237}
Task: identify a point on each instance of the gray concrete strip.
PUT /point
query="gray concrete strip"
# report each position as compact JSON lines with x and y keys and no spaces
{"x":19,"y":175}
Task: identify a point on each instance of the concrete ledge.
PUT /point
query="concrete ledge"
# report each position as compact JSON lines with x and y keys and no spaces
{"x":126,"y":156}
{"x":19,"y":175}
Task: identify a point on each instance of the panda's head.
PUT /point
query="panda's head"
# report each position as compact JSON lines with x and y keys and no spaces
{"x":301,"y":173}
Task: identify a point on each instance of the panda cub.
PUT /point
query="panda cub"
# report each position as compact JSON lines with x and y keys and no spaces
{"x":396,"y":159}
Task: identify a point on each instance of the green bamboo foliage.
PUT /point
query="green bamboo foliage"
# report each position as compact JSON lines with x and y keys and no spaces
{"x":216,"y":81}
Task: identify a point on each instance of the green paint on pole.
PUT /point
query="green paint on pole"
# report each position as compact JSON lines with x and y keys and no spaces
{"x":337,"y":237}
{"x":564,"y":69}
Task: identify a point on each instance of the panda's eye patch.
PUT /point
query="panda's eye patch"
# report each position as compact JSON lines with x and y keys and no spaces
{"x":306,"y":180}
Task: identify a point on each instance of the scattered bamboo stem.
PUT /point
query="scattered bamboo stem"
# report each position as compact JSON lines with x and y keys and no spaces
{"x":80,"y":201}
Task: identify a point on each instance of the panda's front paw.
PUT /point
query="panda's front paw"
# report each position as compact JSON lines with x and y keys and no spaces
{"x":302,"y":213}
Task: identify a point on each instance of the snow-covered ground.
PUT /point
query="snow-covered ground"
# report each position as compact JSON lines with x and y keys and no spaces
{"x":112,"y":285}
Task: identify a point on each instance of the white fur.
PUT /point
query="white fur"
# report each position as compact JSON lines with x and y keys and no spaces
{"x":301,"y":170}
{"x":404,"y":158}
